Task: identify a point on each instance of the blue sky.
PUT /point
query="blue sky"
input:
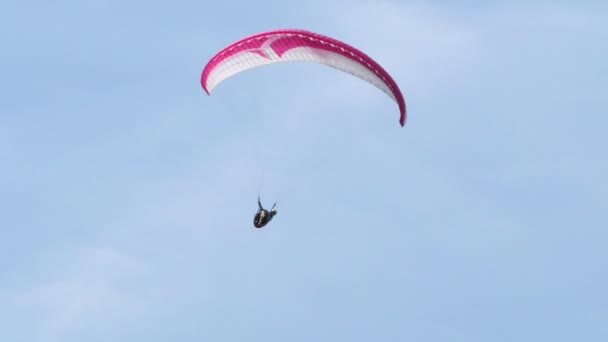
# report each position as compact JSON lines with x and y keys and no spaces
{"x":128,"y":193}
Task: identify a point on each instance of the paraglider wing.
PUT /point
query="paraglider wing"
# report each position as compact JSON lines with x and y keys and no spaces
{"x":298,"y":45}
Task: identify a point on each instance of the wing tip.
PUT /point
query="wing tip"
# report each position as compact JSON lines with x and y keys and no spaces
{"x":403,"y":117}
{"x":204,"y":86}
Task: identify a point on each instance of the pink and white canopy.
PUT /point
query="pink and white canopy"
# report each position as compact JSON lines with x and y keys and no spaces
{"x":298,"y":45}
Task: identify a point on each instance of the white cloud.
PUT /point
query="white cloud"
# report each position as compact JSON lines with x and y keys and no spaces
{"x":87,"y":289}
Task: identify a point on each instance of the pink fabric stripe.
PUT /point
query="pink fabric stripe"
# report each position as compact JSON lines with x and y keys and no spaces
{"x":251,"y":43}
{"x":300,"y":38}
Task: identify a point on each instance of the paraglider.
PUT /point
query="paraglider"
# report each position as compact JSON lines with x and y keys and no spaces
{"x":298,"y":45}
{"x":263,"y":216}
{"x":285,"y":45}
